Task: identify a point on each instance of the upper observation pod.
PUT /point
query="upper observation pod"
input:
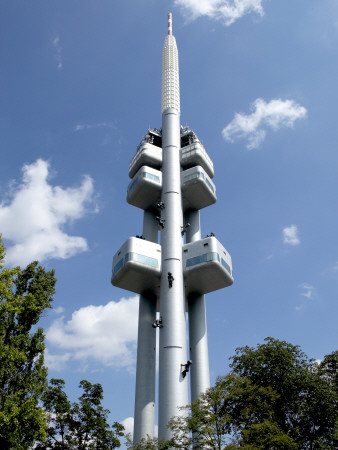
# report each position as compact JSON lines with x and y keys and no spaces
{"x":170,"y":74}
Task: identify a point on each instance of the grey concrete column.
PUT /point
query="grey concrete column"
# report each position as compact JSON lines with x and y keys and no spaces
{"x":144,"y":415}
{"x":198,"y":338}
{"x":150,"y":227}
{"x":173,"y":387}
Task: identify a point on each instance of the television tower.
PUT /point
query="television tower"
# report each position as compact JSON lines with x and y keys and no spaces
{"x":170,"y":181}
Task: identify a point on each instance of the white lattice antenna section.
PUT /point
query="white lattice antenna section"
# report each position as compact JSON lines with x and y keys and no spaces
{"x":170,"y":73}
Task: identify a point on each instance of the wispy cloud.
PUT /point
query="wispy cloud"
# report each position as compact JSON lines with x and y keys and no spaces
{"x":271,"y":115}
{"x":58,"y":310}
{"x":106,"y":334}
{"x":308,"y":291}
{"x":227,"y":11}
{"x":291,"y":235}
{"x":105,"y":137}
{"x":335,"y":267}
{"x":57,"y":49}
{"x":35,"y":214}
{"x":86,"y":126}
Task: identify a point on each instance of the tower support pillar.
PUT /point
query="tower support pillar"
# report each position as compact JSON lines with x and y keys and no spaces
{"x":144,"y":414}
{"x":198,"y":338}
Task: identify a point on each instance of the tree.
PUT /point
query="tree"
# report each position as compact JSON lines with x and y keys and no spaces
{"x":148,"y":443}
{"x":57,"y":406}
{"x":328,"y":369}
{"x":277,"y":364}
{"x":306,"y":407}
{"x":266,"y":436}
{"x":274,"y":398}
{"x":24,"y":295}
{"x":89,"y":426}
{"x":81,"y":425}
{"x":220,"y":413}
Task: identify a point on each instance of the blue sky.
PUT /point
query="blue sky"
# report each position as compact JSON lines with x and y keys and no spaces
{"x":80,"y":85}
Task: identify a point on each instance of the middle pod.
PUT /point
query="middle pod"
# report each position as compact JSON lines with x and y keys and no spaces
{"x":144,"y":190}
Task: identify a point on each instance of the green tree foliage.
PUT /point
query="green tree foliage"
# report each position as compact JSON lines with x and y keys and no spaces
{"x":57,"y":406}
{"x":24,"y":295}
{"x":328,"y":369}
{"x":148,"y":443}
{"x":306,"y":406}
{"x":220,"y":413}
{"x":82,"y":425}
{"x":266,"y":436}
{"x":274,"y":398}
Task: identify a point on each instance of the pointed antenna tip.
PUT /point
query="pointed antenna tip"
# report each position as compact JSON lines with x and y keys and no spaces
{"x":170,"y":23}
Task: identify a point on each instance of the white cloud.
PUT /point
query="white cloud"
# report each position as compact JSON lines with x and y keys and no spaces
{"x":290,"y":235}
{"x":273,"y":115}
{"x":128,"y":424}
{"x":56,"y":362}
{"x":57,"y":48}
{"x":105,"y":333}
{"x":36,"y":212}
{"x":227,"y":11}
{"x":308,"y":290}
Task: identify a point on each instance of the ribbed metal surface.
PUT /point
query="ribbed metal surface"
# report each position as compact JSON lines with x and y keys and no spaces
{"x":170,"y":75}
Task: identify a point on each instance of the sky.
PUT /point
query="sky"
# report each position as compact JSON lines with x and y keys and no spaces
{"x":80,"y":84}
